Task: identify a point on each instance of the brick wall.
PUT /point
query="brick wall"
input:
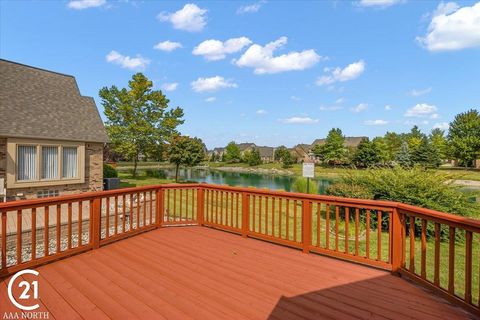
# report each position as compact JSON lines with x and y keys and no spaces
{"x":93,"y":174}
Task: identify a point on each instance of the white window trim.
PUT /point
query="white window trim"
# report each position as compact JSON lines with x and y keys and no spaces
{"x":12,"y":147}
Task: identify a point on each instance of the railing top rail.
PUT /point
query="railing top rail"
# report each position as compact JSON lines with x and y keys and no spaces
{"x":376,"y":204}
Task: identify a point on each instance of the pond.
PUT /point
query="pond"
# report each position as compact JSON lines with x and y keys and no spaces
{"x":239,"y":179}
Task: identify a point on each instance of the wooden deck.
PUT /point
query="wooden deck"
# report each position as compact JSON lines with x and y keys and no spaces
{"x":202,"y":273}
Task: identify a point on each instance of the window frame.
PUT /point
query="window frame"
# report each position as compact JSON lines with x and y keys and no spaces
{"x":12,"y":168}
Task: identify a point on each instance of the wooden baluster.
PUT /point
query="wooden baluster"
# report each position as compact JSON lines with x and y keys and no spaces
{"x":96,"y":210}
{"x":160,"y":207}
{"x":193,"y":211}
{"x":266,"y":215}
{"x":200,"y":205}
{"x":451,"y":261}
{"x":46,"y":228}
{"x":131,"y":213}
{"x":216,"y":206}
{"x":295,"y":220}
{"x":260,"y":200}
{"x":347,"y":218}
{"x":423,"y":271}
{"x":232,"y":195}
{"x":412,"y":244}
{"x":287,"y":220}
{"x":168,"y":204}
{"x":4,"y":239}
{"x":124,"y":207}
{"x":237,"y":213}
{"x":367,"y":236}
{"x":225,"y":223}
{"x":34,"y":233}
{"x":181,"y":203}
{"x":337,"y":218}
{"x":115,"y":219}
{"x":468,"y":267}
{"x":174,"y":204}
{"x":273,"y":216}
{"x":306,"y":225}
{"x":319,"y":216}
{"x":357,"y":218}
{"x":404,"y":240}
{"x":69,"y":225}
{"x":19,"y":236}
{"x":245,"y":214}
{"x":390,"y":237}
{"x":327,"y":227}
{"x":107,"y":218}
{"x":145,"y":208}
{"x":138,"y":209}
{"x":396,"y":232}
{"x":80,"y":222}
{"x":280,"y":213}
{"x":59,"y":224}
{"x":379,"y":235}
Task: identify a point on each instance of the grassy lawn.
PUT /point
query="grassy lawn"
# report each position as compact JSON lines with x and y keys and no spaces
{"x":128,"y":181}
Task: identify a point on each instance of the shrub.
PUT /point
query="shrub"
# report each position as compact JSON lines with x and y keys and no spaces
{"x":300,"y":185}
{"x":109,"y":171}
{"x":153,"y":173}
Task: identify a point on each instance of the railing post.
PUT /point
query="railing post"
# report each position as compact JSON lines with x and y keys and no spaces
{"x":396,"y":243}
{"x":306,"y":225}
{"x":159,"y":209}
{"x":96,"y":222}
{"x":200,"y":202}
{"x":245,"y":214}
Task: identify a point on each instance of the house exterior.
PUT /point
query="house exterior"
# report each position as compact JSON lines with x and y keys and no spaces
{"x":51,"y":137}
{"x":302,"y":152}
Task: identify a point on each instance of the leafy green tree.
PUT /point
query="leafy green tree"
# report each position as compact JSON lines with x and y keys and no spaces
{"x":185,"y":151}
{"x":425,"y":155}
{"x":393,"y":142}
{"x":464,"y":136}
{"x":366,"y":154}
{"x":215,"y":157}
{"x":439,"y":142}
{"x":138,"y":117}
{"x":414,"y":138}
{"x":334,"y":148}
{"x":253,"y":157}
{"x":232,"y":153}
{"x":381,"y":147}
{"x":280,"y":153}
{"x":403,"y":156}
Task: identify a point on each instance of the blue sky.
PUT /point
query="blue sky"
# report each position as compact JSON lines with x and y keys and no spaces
{"x":290,"y":72}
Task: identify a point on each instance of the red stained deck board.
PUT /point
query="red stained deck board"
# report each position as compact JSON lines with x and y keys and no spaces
{"x":202,"y":273}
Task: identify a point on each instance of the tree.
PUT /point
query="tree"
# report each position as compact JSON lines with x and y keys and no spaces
{"x":464,"y":136}
{"x":393,"y":142}
{"x":403,"y":156}
{"x":138,"y":117}
{"x":253,"y":157}
{"x":280,"y":153}
{"x":439,"y":142}
{"x":366,"y":154}
{"x":414,"y":138}
{"x":381,"y":147}
{"x":287,"y":160}
{"x":334,"y":149}
{"x":425,"y":155}
{"x":185,"y":151}
{"x":232,"y":153}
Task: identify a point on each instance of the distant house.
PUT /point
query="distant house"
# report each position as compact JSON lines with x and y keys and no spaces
{"x":302,"y":152}
{"x":349,"y":141}
{"x":51,"y":137}
{"x":267,"y":154}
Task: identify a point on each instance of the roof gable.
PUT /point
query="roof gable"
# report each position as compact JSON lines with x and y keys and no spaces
{"x":41,"y":104}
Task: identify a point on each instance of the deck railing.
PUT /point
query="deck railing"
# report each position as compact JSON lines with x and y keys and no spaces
{"x":439,"y":250}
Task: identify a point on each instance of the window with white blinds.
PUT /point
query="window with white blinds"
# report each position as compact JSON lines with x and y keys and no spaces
{"x":49,"y":162}
{"x":26,"y":163}
{"x":69,"y":164}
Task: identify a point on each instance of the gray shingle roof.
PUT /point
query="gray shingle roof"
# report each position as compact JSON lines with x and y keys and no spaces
{"x":36,"y":103}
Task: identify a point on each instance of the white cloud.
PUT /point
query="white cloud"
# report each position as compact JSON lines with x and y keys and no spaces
{"x":441,"y":125}
{"x":295,"y":98}
{"x":167,"y":46}
{"x":263,"y":61}
{"x":251,"y":8}
{"x":210,"y":99}
{"x":422,"y":110}
{"x":388,"y":107}
{"x":360,"y":107}
{"x":137,"y":63}
{"x":299,"y":120}
{"x":189,"y":18}
{"x":330,"y":108}
{"x":261,"y":111}
{"x":85,"y":4}
{"x":170,"y":86}
{"x":340,"y":100}
{"x":419,"y":92}
{"x":453,"y":28}
{"x":212,"y":84}
{"x":350,"y":72}
{"x":378,"y":122}
{"x":378,"y":3}
{"x":217,"y":50}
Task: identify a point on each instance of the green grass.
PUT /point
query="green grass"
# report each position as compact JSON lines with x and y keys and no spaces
{"x":128,"y":181}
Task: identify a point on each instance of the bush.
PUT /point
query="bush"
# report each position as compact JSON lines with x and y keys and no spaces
{"x":109,"y":171}
{"x":153,"y":173}
{"x":300,"y":185}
